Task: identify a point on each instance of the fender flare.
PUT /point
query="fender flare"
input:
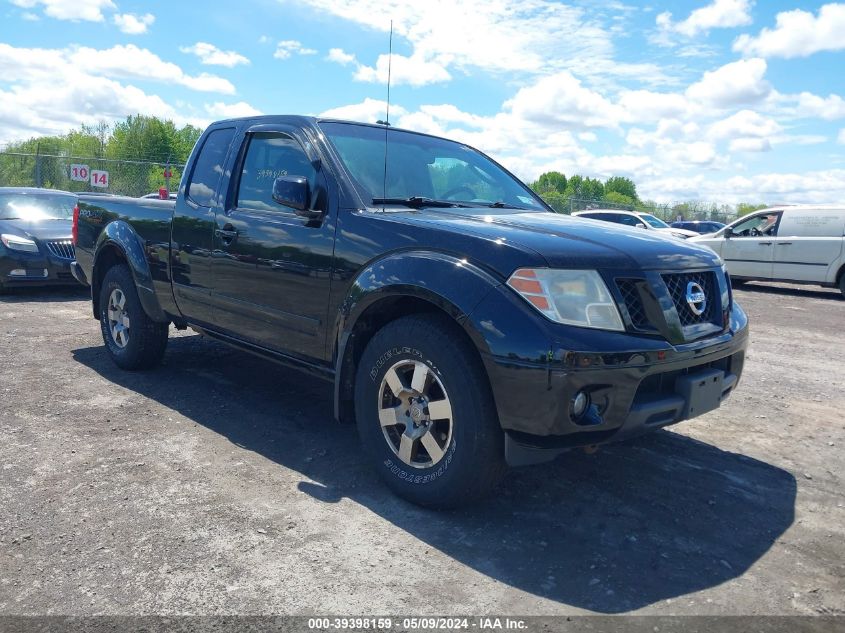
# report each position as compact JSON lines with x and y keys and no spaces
{"x":446,"y":281}
{"x":120,"y":235}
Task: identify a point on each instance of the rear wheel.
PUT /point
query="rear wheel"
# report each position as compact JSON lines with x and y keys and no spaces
{"x":133,"y":340}
{"x":425,"y":413}
{"x":842,"y":284}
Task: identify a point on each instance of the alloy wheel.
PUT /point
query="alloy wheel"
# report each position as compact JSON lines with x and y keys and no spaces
{"x":415,"y":414}
{"x":118,"y":318}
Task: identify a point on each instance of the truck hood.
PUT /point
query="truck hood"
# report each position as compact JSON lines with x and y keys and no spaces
{"x":567,"y":242}
{"x":39,"y":230}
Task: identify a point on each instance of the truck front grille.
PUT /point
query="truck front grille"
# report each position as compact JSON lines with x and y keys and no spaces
{"x":63,"y":249}
{"x":633,"y":303}
{"x":677,"y":286}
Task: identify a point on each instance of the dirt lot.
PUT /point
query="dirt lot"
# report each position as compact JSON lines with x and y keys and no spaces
{"x":220,"y":484}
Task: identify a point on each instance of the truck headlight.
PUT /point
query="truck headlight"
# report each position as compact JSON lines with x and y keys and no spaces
{"x":573,"y":297}
{"x":18,"y":243}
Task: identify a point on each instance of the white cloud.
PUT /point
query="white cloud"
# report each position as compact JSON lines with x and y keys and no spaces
{"x":413,"y":70}
{"x":339,"y":56}
{"x":368,"y":111}
{"x":745,"y":123}
{"x":286,"y":48}
{"x":119,"y":62}
{"x":841,"y":138}
{"x":130,"y":62}
{"x":750,"y":145}
{"x":734,"y":84}
{"x":88,"y":10}
{"x":798,"y":33}
{"x":132,"y":24}
{"x":561,"y":99}
{"x":210,"y":55}
{"x":588,"y":137}
{"x":221,"y":110}
{"x":645,"y":105}
{"x":717,"y":14}
{"x":71,"y":99}
{"x":534,"y":36}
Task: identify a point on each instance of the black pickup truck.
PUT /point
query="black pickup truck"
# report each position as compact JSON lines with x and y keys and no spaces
{"x":464,"y":324}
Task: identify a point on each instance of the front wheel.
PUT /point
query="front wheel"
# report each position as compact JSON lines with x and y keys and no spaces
{"x":425,"y":413}
{"x":842,"y":284}
{"x":133,"y":340}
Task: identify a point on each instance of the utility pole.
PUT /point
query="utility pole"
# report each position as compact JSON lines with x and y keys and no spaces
{"x":38,"y":165}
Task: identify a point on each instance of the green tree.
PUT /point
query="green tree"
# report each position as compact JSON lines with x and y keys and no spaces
{"x":623,"y":186}
{"x":556,"y":200}
{"x":550,"y":181}
{"x":615,"y":197}
{"x":744,"y":208}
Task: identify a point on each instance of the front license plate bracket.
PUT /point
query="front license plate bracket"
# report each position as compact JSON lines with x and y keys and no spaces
{"x":701,"y":391}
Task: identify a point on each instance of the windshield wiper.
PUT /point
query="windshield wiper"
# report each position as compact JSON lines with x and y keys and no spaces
{"x":418,"y":202}
{"x":501,"y":205}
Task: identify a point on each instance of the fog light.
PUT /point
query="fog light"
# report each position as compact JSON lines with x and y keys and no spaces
{"x":17,"y":272}
{"x":580,"y":403}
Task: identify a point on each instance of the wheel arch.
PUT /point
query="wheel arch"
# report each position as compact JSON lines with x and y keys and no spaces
{"x":418,"y":284}
{"x":119,"y":243}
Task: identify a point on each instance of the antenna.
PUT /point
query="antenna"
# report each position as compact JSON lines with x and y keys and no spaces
{"x":387,"y":117}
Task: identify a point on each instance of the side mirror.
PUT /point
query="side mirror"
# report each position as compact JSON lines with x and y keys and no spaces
{"x":294,"y":192}
{"x":729,"y":232}
{"x":640,"y":225}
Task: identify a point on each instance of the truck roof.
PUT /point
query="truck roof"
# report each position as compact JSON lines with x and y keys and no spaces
{"x":298,"y":119}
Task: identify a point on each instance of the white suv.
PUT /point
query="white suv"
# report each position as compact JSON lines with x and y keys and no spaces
{"x":636,"y":219}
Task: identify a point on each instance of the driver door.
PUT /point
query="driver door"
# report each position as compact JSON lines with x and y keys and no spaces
{"x":272,"y":267}
{"x":749,"y":252}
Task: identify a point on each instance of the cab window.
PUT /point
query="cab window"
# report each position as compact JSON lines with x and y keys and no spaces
{"x":209,"y":167}
{"x":627,"y":220}
{"x":762,"y":225}
{"x":269,"y":156}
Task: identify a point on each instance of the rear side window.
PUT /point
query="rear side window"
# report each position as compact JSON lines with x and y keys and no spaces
{"x":269,"y":156}
{"x":210,"y":163}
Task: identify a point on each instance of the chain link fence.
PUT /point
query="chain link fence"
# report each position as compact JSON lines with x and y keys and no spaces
{"x":87,"y":174}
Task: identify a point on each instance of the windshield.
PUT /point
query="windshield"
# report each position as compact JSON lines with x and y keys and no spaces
{"x":34,"y":207}
{"x":424,"y":169}
{"x":653,"y":221}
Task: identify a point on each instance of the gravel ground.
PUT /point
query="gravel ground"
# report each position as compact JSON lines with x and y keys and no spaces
{"x":219,"y":483}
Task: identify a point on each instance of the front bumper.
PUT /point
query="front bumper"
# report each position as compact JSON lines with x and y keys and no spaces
{"x":635,"y":383}
{"x":19,"y":269}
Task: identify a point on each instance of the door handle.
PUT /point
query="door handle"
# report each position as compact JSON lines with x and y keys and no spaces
{"x":764,"y":243}
{"x":784,"y":243}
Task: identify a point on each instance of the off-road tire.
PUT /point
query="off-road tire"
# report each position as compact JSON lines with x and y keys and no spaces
{"x":472,"y":461}
{"x":147,"y":339}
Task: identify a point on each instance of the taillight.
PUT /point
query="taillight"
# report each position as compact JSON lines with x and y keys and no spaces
{"x":75,"y":230}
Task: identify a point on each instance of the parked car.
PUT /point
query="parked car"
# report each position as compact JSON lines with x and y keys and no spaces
{"x":799,"y":244}
{"x":35,"y":237}
{"x":635,"y":219}
{"x":464,"y":324}
{"x":702,"y":227}
{"x":157,"y":196}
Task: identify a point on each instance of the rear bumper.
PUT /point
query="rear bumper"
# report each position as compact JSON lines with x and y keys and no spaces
{"x":34,"y":269}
